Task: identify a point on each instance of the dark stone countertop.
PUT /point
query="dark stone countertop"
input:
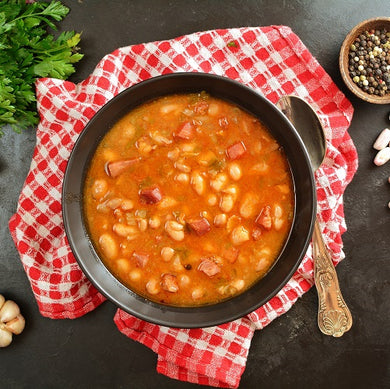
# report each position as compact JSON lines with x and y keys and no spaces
{"x":291,"y":352}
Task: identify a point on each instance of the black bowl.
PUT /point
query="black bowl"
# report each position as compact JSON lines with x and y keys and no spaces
{"x":293,"y":251}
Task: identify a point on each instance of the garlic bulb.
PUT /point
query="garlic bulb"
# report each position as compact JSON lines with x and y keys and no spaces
{"x":11,"y":321}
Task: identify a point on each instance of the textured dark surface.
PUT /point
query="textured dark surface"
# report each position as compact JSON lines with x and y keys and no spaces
{"x":291,"y":352}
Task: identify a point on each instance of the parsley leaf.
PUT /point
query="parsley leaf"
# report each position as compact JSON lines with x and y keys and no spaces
{"x":28,"y":51}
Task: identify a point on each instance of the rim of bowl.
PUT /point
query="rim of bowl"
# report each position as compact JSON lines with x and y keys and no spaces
{"x":367,"y":24}
{"x":137,"y":305}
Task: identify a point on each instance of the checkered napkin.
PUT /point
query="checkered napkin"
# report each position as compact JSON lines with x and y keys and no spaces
{"x":272,"y":61}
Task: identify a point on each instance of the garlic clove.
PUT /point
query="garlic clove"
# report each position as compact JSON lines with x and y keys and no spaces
{"x":5,"y":338}
{"x":16,"y":326}
{"x":9,"y":311}
{"x":2,"y":300}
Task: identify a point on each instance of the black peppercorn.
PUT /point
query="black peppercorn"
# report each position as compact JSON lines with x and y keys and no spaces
{"x":369,"y":62}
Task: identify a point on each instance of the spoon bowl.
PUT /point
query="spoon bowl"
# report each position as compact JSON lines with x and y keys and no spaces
{"x":308,"y":125}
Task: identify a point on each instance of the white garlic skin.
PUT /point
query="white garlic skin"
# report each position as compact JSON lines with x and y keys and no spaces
{"x":9,"y":311}
{"x":5,"y":338}
{"x":11,"y":321}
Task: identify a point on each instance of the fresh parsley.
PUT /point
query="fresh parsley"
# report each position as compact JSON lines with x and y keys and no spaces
{"x":28,"y":51}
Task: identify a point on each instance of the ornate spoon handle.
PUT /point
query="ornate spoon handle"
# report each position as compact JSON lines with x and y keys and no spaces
{"x":334,"y":317}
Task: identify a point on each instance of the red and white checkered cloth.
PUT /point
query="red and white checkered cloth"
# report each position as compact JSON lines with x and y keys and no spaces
{"x":271,"y":60}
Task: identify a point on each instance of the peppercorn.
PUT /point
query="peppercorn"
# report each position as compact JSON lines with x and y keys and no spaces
{"x":369,"y":61}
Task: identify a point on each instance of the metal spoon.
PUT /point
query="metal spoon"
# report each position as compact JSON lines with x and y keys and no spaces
{"x":334,"y":317}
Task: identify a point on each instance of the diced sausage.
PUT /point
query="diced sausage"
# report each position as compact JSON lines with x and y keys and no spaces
{"x":201,"y":107}
{"x":185,"y":131}
{"x":236,"y":151}
{"x":169,"y":283}
{"x":199,"y":225}
{"x":141,"y":259}
{"x":264,"y":218}
{"x":150,"y":195}
{"x":209,"y":267}
{"x":116,"y":168}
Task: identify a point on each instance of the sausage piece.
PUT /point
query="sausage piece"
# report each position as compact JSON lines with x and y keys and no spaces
{"x":199,"y":225}
{"x":209,"y":267}
{"x":264,"y":218}
{"x":236,"y":151}
{"x":141,"y":259}
{"x":115,"y":168}
{"x":169,"y":283}
{"x":150,"y":195}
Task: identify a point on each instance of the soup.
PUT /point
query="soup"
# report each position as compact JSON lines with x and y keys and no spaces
{"x":188,"y":200}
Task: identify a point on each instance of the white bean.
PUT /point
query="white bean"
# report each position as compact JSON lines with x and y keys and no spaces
{"x":382,"y":156}
{"x":248,"y":205}
{"x":144,"y":145}
{"x":235,"y":171}
{"x":383,"y":140}
{"x":278,"y":223}
{"x":99,"y":188}
{"x":184,"y":280}
{"x":142,"y":225}
{"x":188,"y":147}
{"x":278,"y":211}
{"x":154,"y":222}
{"x":135,"y":275}
{"x":159,"y":139}
{"x":260,"y":168}
{"x":176,"y":264}
{"x":183,"y":178}
{"x":212,"y":199}
{"x":239,"y":235}
{"x":125,"y":231}
{"x":127,"y":205}
{"x":197,"y":183}
{"x":226,"y":203}
{"x":220,"y":220}
{"x":167,"y":108}
{"x":114,"y":203}
{"x":128,"y":132}
{"x":167,"y":253}
{"x":197,"y":293}
{"x":180,"y":165}
{"x":175,"y":230}
{"x":123,"y":265}
{"x":108,"y":245}
{"x":152,"y":286}
{"x":238,"y":284}
{"x":278,"y":220}
{"x":218,"y":182}
{"x":213,"y":109}
{"x":167,"y":202}
{"x":232,"y":190}
{"x":173,"y":154}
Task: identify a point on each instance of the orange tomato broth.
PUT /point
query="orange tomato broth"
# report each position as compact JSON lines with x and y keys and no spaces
{"x":147,"y":241}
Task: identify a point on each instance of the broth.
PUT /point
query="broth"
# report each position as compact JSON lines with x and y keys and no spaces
{"x":188,"y":200}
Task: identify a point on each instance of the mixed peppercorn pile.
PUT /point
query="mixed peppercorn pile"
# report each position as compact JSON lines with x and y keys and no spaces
{"x":369,"y":62}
